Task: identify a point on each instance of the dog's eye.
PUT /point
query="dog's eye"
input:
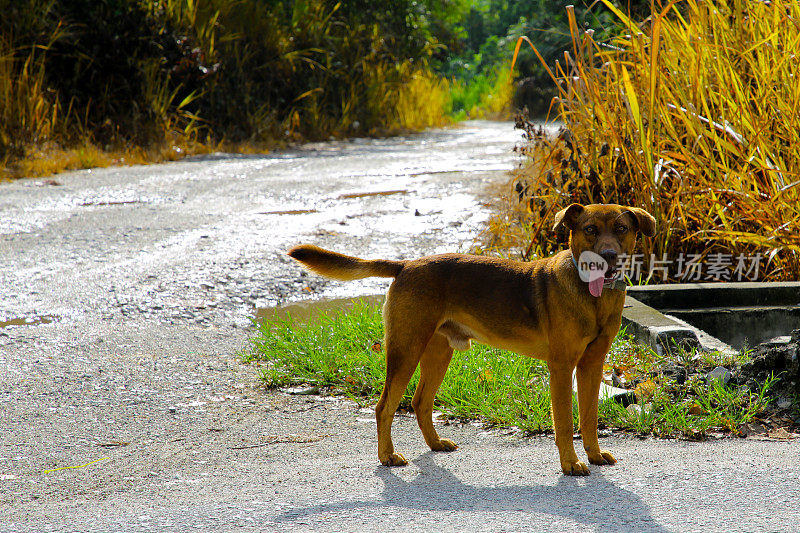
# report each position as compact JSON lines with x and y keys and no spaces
{"x":590,"y":230}
{"x":621,"y":229}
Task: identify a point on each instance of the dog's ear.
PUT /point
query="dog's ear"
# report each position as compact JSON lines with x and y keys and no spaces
{"x":644,"y":220}
{"x":568,"y":217}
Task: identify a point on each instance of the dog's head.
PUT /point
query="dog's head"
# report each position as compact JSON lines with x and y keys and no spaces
{"x":608,"y":230}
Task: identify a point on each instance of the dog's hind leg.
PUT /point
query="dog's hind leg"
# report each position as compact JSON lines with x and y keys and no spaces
{"x":405,"y":343}
{"x":433,"y":367}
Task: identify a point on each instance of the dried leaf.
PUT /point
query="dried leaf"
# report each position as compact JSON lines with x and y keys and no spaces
{"x":696,"y":410}
{"x":645,"y":390}
{"x":780,"y":434}
{"x":485,"y":376}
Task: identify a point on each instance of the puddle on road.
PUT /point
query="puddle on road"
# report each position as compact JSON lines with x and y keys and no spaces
{"x":466,"y":171}
{"x":375,"y":193}
{"x":303,"y":311}
{"x":25,"y":321}
{"x":103,"y":203}
{"x":289,"y":212}
{"x":346,"y":196}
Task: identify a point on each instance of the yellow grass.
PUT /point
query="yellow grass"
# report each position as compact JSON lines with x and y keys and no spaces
{"x":692,"y":115}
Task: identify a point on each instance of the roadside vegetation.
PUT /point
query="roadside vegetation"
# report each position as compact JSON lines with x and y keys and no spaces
{"x":690,"y":113}
{"x":87,"y":83}
{"x":341,"y":353}
{"x":479,"y":62}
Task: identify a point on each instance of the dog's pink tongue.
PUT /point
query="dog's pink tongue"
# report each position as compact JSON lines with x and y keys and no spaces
{"x":596,"y":286}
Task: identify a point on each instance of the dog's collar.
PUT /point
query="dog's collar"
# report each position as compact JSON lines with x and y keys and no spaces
{"x":613,"y":284}
{"x":616,"y":285}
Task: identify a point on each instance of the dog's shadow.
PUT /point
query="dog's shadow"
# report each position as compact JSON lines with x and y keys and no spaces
{"x":592,"y":501}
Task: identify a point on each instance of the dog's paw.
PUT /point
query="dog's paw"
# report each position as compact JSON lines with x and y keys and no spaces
{"x":575,"y":468}
{"x":394,"y":459}
{"x":444,"y":445}
{"x":602,"y":457}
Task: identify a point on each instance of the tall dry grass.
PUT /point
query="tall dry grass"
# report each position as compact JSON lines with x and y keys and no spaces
{"x":691,"y":114}
{"x":93,"y":82}
{"x":29,"y":113}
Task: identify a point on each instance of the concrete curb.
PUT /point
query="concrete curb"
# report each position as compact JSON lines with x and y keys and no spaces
{"x":724,"y":316}
{"x":665,"y":333}
{"x":733,"y":294}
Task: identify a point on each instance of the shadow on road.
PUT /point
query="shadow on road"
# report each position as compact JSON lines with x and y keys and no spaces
{"x":592,"y":501}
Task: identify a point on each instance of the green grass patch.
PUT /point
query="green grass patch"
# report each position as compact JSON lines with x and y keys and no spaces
{"x":341,"y":353}
{"x":688,"y":410}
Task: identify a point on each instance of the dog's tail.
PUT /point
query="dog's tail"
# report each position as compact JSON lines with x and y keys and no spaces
{"x":343,"y":267}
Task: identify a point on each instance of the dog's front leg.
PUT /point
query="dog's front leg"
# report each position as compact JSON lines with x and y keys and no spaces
{"x":561,"y":400}
{"x":589,"y":374}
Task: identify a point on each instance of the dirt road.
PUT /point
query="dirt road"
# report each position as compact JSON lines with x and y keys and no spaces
{"x":126,"y":294}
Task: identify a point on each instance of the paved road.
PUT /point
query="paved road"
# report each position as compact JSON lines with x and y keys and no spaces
{"x":126,"y":294}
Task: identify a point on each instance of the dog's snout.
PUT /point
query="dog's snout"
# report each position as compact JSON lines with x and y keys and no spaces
{"x":609,"y":255}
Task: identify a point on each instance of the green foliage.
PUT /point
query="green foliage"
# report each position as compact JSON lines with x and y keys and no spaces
{"x":486,"y":94}
{"x":487,"y":31}
{"x":499,"y":387}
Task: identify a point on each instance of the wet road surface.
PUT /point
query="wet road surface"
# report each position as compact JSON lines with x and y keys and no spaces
{"x":204,"y":241}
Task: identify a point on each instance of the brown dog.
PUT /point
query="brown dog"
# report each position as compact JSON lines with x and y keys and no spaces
{"x":540,"y":309}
